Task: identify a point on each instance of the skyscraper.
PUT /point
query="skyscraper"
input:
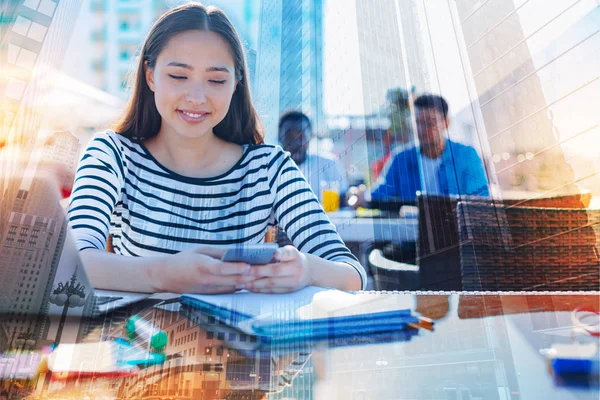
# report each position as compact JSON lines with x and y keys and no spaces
{"x":32,"y":243}
{"x":60,"y":148}
{"x":118,"y":31}
{"x":514,"y":109}
{"x":392,"y":61}
{"x":34,"y":35}
{"x":289,"y":71}
{"x":392,"y":52}
{"x":28,"y":266}
{"x":23,"y":30}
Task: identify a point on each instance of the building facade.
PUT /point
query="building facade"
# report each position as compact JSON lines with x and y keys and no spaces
{"x":117,"y":34}
{"x":32,"y":242}
{"x":517,"y":116}
{"x":289,"y":72}
{"x":33,"y":37}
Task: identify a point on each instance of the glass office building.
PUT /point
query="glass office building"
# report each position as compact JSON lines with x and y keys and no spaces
{"x":289,"y":74}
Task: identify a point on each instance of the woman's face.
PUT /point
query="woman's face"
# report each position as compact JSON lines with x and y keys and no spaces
{"x":193,"y":82}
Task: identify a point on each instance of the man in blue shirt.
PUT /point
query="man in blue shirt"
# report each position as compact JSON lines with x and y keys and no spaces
{"x":438,"y":165}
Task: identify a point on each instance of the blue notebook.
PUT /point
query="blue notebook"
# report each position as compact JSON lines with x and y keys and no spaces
{"x":309,"y":314}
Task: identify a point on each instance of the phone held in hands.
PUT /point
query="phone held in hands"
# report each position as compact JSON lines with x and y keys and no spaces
{"x":253,"y":254}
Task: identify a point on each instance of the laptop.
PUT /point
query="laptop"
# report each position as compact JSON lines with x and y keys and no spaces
{"x":41,"y":273}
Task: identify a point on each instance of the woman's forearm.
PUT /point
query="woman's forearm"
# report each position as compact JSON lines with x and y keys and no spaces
{"x":137,"y":274}
{"x":333,"y":274}
{"x":116,"y":272}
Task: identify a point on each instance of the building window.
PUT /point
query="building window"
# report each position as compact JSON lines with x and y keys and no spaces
{"x":13,"y":52}
{"x":210,"y":335}
{"x":97,"y":6}
{"x":33,"y":4}
{"x":23,"y":235}
{"x":37,"y":32}
{"x":129,"y":22}
{"x":21,"y":26}
{"x":47,"y":7}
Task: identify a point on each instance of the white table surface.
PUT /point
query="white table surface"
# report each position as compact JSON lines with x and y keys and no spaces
{"x":353,"y":229}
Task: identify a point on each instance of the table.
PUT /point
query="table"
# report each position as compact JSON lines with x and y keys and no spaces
{"x":361,"y":234}
{"x":358,"y":230}
{"x":485,"y":346}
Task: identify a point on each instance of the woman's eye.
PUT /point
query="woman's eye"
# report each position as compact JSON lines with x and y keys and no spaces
{"x":177,"y":77}
{"x":218,"y":82}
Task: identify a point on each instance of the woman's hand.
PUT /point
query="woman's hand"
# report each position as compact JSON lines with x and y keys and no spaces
{"x":291,"y":273}
{"x":199,"y":270}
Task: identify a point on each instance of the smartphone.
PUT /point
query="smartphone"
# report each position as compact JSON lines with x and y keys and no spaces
{"x":253,"y":254}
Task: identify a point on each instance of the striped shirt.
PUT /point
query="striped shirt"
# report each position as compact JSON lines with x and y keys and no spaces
{"x":122,"y":190}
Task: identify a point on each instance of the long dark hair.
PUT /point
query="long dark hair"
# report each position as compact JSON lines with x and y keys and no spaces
{"x":141,"y":119}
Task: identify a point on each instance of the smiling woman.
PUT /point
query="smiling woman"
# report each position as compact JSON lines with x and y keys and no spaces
{"x":221,"y":59}
{"x":185,"y":174}
{"x":193,"y":91}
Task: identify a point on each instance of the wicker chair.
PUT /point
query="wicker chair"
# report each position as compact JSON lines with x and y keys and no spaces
{"x":526,"y":248}
{"x":438,"y":253}
{"x":392,"y":275}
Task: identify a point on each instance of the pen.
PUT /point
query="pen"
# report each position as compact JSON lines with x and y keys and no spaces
{"x":424,"y":323}
{"x":141,"y":330}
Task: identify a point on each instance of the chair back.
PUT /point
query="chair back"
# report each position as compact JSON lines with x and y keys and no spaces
{"x":438,"y":252}
{"x":528,"y":248}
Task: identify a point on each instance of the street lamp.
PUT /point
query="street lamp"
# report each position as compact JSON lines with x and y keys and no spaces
{"x":69,"y":295}
{"x":25,"y":339}
{"x":12,"y":338}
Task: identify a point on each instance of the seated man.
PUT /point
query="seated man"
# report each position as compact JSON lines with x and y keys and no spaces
{"x":437,"y":165}
{"x":295,"y":132}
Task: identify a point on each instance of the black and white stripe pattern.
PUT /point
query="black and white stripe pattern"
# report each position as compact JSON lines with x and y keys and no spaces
{"x":121,"y":190}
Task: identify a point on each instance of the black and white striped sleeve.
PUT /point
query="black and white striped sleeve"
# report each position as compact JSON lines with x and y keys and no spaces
{"x":96,"y":191}
{"x":303,"y":219}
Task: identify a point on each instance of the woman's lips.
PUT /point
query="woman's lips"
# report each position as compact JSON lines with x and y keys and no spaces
{"x":193,"y":117}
